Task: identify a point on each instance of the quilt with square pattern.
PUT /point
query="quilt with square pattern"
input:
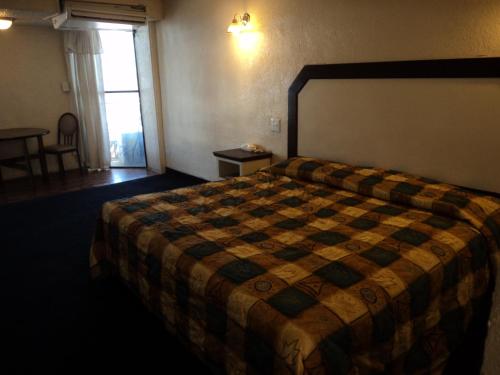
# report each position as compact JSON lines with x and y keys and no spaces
{"x":310,"y":266}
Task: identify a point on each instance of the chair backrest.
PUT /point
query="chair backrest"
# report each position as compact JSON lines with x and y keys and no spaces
{"x":68,"y":129}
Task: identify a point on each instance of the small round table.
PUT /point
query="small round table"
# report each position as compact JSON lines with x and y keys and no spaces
{"x":23,"y":134}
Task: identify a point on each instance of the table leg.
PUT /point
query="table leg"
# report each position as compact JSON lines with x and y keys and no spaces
{"x":41,"y":156}
{"x":28,"y":161}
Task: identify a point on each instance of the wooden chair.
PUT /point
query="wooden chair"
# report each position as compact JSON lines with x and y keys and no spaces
{"x":67,"y":140}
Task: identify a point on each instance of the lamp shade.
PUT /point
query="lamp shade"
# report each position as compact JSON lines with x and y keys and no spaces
{"x":234,"y":26}
{"x":240,"y":24}
{"x":5,"y":23}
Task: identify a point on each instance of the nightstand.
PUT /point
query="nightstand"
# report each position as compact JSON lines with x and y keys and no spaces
{"x":237,"y":162}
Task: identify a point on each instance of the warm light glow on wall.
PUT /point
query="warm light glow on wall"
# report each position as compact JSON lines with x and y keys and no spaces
{"x":5,"y":23}
{"x":246,"y":38}
{"x":248,"y":42}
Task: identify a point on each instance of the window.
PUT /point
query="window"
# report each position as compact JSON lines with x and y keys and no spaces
{"x":123,"y":108}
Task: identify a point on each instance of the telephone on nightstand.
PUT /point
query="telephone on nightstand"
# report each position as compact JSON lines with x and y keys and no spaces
{"x":252,"y":147}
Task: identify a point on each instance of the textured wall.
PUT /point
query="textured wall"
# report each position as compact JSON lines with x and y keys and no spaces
{"x":219,"y":92}
{"x":358,"y":121}
{"x":32,"y":67}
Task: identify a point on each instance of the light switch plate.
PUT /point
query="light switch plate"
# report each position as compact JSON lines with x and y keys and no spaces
{"x":65,"y":86}
{"x":275,"y":125}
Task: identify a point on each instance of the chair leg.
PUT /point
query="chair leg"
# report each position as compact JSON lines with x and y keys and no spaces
{"x":79,"y":161}
{"x":61,"y":164}
{"x":28,"y":162}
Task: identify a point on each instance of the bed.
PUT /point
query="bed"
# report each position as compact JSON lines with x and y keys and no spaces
{"x":312,"y":265}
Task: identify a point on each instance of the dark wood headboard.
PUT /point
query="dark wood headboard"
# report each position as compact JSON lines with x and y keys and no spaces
{"x":422,"y":69}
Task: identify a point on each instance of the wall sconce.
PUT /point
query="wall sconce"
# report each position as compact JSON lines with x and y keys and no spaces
{"x":239,"y":24}
{"x":6,"y":22}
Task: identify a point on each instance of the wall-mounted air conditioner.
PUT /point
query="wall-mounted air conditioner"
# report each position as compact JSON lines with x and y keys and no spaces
{"x":77,"y":15}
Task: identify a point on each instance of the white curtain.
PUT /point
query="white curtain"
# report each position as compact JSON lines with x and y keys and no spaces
{"x":83,"y":56}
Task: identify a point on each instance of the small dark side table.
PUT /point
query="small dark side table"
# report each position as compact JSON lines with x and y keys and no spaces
{"x":238,"y":162}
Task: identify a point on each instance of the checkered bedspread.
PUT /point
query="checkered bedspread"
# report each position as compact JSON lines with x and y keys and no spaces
{"x":309,"y":267}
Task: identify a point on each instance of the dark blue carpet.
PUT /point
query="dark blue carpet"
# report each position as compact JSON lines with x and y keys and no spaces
{"x":54,"y":318}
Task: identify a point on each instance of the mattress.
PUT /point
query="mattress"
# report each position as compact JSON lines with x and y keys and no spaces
{"x":310,"y":266}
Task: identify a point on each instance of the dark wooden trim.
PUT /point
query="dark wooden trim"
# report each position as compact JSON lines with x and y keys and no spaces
{"x":488,"y":67}
{"x":450,"y":68}
{"x":242,"y":156}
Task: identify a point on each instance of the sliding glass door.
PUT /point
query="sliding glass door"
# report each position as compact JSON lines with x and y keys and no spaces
{"x":123,"y":106}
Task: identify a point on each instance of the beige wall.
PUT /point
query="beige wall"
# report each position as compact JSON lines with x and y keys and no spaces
{"x":32,"y":67}
{"x":358,"y":121}
{"x":219,"y":92}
